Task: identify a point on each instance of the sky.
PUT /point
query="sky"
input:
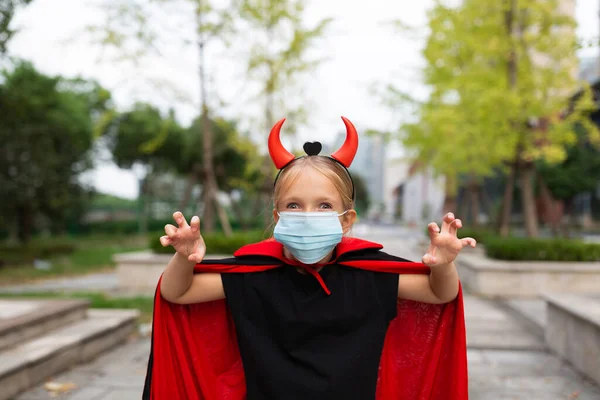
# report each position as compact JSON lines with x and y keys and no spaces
{"x":361,"y":49}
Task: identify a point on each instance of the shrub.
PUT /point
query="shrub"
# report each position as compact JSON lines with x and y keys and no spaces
{"x":216,"y":243}
{"x":133,"y":226}
{"x":20,"y":254}
{"x":527,"y":249}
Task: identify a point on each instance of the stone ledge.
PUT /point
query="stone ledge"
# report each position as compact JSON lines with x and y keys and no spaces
{"x":585,"y":306}
{"x":139,"y":272}
{"x":481,"y":262}
{"x":573,"y":330}
{"x":525,"y":279}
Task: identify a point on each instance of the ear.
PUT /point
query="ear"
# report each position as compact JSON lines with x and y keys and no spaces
{"x":348,"y":220}
{"x":275,"y":215}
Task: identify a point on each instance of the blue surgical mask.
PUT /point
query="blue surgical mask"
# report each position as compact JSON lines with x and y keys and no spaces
{"x":309,"y":236}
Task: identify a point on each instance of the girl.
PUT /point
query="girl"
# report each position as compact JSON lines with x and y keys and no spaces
{"x":311,"y":313}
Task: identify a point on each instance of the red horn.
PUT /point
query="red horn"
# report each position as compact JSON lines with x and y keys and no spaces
{"x":280,"y":156}
{"x":346,"y":153}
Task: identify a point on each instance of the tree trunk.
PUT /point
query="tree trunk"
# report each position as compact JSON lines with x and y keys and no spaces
{"x":507,"y":199}
{"x":450,"y":195}
{"x":569,"y":206}
{"x":462,"y":202}
{"x":474,"y":201}
{"x":270,"y":88}
{"x":552,"y":208}
{"x":210,"y":182}
{"x":486,"y":203}
{"x":511,"y":69}
{"x":528,"y":198}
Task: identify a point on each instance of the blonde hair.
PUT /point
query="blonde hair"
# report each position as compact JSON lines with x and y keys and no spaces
{"x":336,"y":173}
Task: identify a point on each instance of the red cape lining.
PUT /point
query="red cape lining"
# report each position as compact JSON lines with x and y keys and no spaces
{"x":195,"y":352}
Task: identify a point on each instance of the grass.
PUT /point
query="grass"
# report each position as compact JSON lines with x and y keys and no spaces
{"x":91,"y":254}
{"x":97,"y":300}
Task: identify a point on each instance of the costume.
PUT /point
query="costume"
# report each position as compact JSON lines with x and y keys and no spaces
{"x":199,"y":350}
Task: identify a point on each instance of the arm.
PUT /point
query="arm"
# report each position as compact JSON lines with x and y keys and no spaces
{"x":179,"y":284}
{"x":441,"y":286}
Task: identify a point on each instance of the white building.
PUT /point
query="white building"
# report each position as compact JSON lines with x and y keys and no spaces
{"x":415,"y":195}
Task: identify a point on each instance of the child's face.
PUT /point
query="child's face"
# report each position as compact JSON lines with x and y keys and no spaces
{"x":312,"y":191}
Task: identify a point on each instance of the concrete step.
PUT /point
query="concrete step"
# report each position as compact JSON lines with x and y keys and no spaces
{"x":491,"y":327}
{"x":25,"y":319}
{"x":34,"y":361}
{"x":531,"y":313}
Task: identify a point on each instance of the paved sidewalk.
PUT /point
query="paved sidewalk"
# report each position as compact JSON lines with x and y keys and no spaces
{"x":98,"y":282}
{"x":118,"y":375}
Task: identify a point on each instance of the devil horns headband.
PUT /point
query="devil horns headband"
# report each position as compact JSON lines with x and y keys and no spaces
{"x":344,"y":156}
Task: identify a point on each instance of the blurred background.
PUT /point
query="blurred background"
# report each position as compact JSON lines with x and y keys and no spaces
{"x":116,"y":113}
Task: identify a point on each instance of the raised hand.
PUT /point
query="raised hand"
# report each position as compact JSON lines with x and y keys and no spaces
{"x":186,"y":239}
{"x":445,"y":245}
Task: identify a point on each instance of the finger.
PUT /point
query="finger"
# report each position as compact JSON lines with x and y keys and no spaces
{"x":429,"y":259}
{"x":195,"y":223}
{"x":170,"y":230}
{"x":180,"y":219}
{"x":434,"y":230}
{"x":454,"y":226}
{"x":165,"y":241}
{"x":468,"y":242}
{"x":431,"y":249}
{"x":197,"y":257}
{"x":448,"y":219}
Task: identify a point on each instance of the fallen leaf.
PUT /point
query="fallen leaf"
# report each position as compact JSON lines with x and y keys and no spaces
{"x":57,"y":387}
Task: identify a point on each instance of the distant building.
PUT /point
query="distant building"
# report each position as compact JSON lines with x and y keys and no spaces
{"x":418,"y":196}
{"x":589,"y":69}
{"x":396,"y":172}
{"x":369,"y":164}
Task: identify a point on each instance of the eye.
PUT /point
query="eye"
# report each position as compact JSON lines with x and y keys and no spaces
{"x":325,"y":206}
{"x":293,"y":206}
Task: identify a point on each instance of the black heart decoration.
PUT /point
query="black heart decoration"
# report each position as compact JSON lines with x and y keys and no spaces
{"x":312,"y":148}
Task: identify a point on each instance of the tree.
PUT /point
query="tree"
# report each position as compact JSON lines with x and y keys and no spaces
{"x":278,"y":58}
{"x":578,"y":173}
{"x":7,"y":12}
{"x":209,"y":24}
{"x":501,"y":76}
{"x":46,"y":130}
{"x":143,"y":136}
{"x":230,"y":152}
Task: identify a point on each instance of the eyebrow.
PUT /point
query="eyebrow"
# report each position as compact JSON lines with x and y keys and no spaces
{"x":299,"y":200}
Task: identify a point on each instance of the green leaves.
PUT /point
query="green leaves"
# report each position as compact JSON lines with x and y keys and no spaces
{"x":7,"y":12}
{"x":498,"y":77}
{"x":46,"y":129}
{"x":279,"y":53}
